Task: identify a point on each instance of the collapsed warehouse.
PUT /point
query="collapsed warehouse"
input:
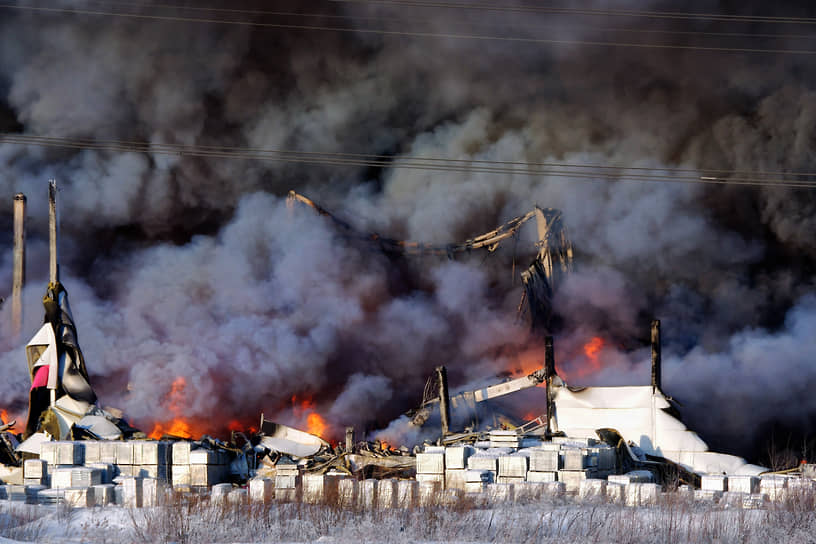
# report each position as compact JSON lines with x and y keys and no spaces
{"x":623,"y":443}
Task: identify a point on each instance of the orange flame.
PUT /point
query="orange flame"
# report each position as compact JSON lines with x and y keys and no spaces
{"x":592,"y":350}
{"x":315,"y":424}
{"x":177,"y":425}
{"x":4,"y":415}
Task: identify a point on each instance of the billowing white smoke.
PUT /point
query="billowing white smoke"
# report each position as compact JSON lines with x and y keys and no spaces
{"x":179,"y":266}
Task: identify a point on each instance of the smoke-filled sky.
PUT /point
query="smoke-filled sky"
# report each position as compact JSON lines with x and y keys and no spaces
{"x":188,"y":266}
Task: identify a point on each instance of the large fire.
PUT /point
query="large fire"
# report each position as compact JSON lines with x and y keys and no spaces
{"x":592,"y":351}
{"x":176,"y":425}
{"x":305,"y":409}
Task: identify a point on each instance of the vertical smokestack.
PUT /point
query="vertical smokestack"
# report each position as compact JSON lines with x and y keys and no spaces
{"x":656,"y":366}
{"x":444,"y":400}
{"x":18,"y":281}
{"x":53,"y":268}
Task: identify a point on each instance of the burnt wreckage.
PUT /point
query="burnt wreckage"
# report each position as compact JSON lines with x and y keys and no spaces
{"x":66,"y":426}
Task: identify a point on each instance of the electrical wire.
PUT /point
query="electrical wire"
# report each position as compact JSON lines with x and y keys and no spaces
{"x":476,"y":166}
{"x":414,"y":34}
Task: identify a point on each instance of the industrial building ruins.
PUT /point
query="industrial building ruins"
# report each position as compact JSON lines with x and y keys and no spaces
{"x":622,"y":444}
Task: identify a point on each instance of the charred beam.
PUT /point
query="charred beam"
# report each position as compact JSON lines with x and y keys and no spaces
{"x":444,"y":399}
{"x":657,"y":372}
{"x":53,"y":268}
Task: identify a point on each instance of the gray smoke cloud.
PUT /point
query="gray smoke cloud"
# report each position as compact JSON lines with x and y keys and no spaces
{"x":184,"y":266}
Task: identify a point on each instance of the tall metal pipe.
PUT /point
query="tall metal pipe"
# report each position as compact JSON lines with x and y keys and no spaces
{"x":53,"y":267}
{"x":444,"y":399}
{"x":549,"y":373}
{"x":657,"y":372}
{"x":18,"y":278}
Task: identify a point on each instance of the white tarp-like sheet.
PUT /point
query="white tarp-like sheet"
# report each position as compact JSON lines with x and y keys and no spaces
{"x":639,"y":415}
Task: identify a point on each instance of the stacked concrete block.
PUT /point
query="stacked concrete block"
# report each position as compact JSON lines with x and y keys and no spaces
{"x":79,"y":497}
{"x":505,"y":439}
{"x":476,"y":481}
{"x":592,"y":489}
{"x":500,"y":493}
{"x":455,"y":479}
{"x":513,"y":468}
{"x":107,"y":471}
{"x":93,"y":450}
{"x":714,"y":482}
{"x":407,"y":493}
{"x":107,"y":452}
{"x":527,"y":492}
{"x":131,"y":492}
{"x":743,"y":484}
{"x":287,"y":482}
{"x":429,"y":493}
{"x":368,"y":494}
{"x":773,"y":486}
{"x":573,"y":442}
{"x":348,"y":490}
{"x":430,"y":466}
{"x":319,"y":488}
{"x":152,"y":492}
{"x":51,"y":496}
{"x":577,"y":459}
{"x":572,"y":478}
{"x":545,"y":460}
{"x":553,"y":489}
{"x":85,"y":476}
{"x":457,"y":457}
{"x":615,"y":492}
{"x":485,"y":462}
{"x":237,"y":496}
{"x":387,"y":494}
{"x":103,"y":494}
{"x":451,"y":497}
{"x":636,"y":476}
{"x":754,"y":501}
{"x":70,"y":453}
{"x":707,"y":495}
{"x":206,"y":468}
{"x":638,"y":494}
{"x":152,"y":459}
{"x":540,"y":477}
{"x":48,"y":452}
{"x":261,"y":490}
{"x":606,"y":459}
{"x":219,"y":492}
{"x":35,"y":472}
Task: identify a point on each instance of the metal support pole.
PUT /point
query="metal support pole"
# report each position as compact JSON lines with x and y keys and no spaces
{"x":444,"y":399}
{"x":549,"y":373}
{"x":657,"y":372}
{"x":53,"y":268}
{"x":18,"y":281}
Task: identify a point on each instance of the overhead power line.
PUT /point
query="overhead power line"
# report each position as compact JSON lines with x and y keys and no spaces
{"x":589,"y":172}
{"x":408,"y":33}
{"x":651,"y":14}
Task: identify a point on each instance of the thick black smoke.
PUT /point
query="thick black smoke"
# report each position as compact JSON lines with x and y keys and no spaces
{"x":193,"y":267}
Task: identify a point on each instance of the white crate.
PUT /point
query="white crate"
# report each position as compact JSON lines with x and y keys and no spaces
{"x":642,"y":494}
{"x":455,"y":479}
{"x":368,"y":494}
{"x":574,"y":459}
{"x":318,"y":488}
{"x":535,"y":476}
{"x":107,"y":452}
{"x":482,"y":476}
{"x":430,"y":463}
{"x":387,"y":493}
{"x":92,"y":450}
{"x":153,"y":452}
{"x":61,"y":478}
{"x":206,"y":475}
{"x":544,"y":460}
{"x":500,"y":493}
{"x":714,"y":482}
{"x":181,"y":453}
{"x":743,"y":484}
{"x":513,"y":466}
{"x":131,"y":492}
{"x":70,"y":453}
{"x":48,"y":452}
{"x":85,"y":476}
{"x":261,"y":490}
{"x":456,"y":457}
{"x":483,"y":462}
{"x":348,"y":490}
{"x":572,"y":478}
{"x":79,"y":497}
{"x":124,"y":453}
{"x":103,"y":494}
{"x":407,"y":493}
{"x":152,"y":492}
{"x":219,"y":492}
{"x":35,"y":468}
{"x":180,"y":475}
{"x":203,"y":456}
{"x":286,"y":481}
{"x":592,"y":489}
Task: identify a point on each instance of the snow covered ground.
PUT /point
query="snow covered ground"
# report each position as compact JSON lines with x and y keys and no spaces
{"x":552,"y":520}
